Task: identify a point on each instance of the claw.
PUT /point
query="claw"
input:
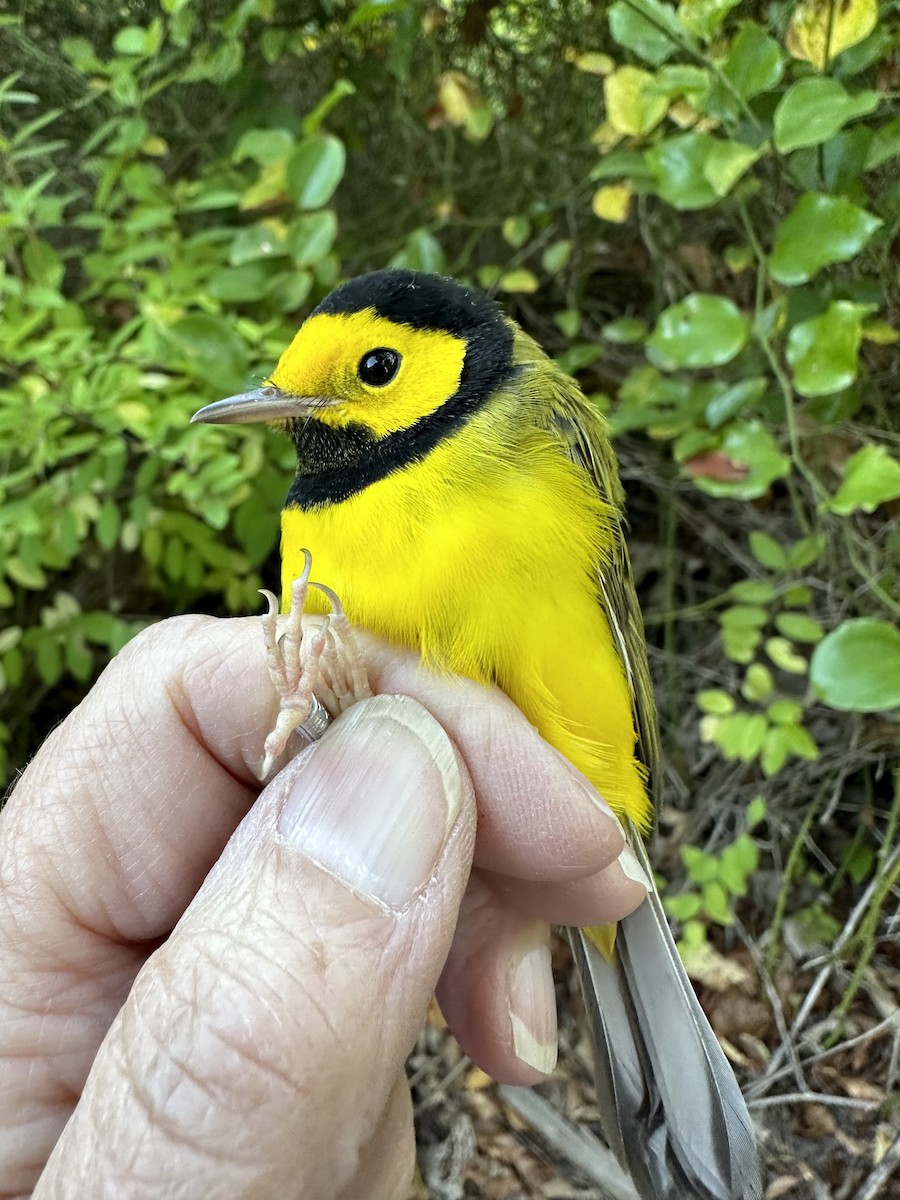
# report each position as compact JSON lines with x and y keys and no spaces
{"x":322,"y":660}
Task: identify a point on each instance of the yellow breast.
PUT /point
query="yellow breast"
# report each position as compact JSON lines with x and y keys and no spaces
{"x":486,"y":564}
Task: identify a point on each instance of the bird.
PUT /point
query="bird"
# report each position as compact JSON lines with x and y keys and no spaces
{"x":462,"y":498}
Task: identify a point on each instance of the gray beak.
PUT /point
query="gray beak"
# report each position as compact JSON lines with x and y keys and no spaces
{"x":263,"y":404}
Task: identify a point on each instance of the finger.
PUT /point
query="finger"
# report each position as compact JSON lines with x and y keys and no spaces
{"x":105,"y":840}
{"x":295,"y":985}
{"x":496,"y":990}
{"x":539,"y":817}
{"x":600,"y":899}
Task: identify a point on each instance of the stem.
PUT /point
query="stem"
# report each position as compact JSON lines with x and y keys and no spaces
{"x":784,"y":383}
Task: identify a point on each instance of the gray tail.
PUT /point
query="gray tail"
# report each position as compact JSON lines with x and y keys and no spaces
{"x":670,"y":1106}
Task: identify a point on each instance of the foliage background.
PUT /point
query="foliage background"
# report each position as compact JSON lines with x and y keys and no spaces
{"x":696,"y":208}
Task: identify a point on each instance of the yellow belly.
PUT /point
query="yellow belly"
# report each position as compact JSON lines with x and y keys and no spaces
{"x":490,"y":573}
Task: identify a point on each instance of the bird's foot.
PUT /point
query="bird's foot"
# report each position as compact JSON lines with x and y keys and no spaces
{"x":318,"y":667}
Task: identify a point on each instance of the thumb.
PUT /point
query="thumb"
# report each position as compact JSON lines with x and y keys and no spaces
{"x":261,"y":1050}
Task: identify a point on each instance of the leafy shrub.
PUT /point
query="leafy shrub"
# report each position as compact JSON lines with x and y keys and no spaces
{"x":695,"y":208}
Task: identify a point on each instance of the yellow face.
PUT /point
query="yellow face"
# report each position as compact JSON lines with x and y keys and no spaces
{"x":340,"y":360}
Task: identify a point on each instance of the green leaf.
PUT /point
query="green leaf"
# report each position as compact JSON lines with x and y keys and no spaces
{"x":254,"y":242}
{"x":798,"y":596}
{"x":744,"y":615}
{"x":705,"y":17}
{"x":130,"y":40}
{"x":805,"y":552}
{"x":633,"y":105}
{"x":750,"y":445}
{"x":756,"y":811}
{"x":715,"y":701}
{"x":751,"y":737}
{"x":824,"y":350}
{"x":567,"y":321}
{"x":578,"y":356}
{"x":682,"y":908}
{"x":288,"y":291}
{"x":785,"y":712}
{"x":716,"y":903}
{"x":798,"y":628}
{"x":516,"y":231}
{"x":767,"y":551}
{"x":700,"y":866}
{"x":752,"y":591}
{"x":693,"y":170}
{"x":885,"y":145}
{"x":264,"y":146}
{"x":556,"y":256}
{"x":754,"y":63}
{"x":871,"y":477}
{"x":315,"y":169}
{"x":649,"y":28}
{"x":775,"y":751}
{"x":813,"y":110}
{"x":726,"y":162}
{"x":422,"y":252}
{"x":625,"y":329}
{"x":699,"y":331}
{"x":784,"y":656}
{"x":519,"y":280}
{"x":241,"y":285}
{"x":799,"y":741}
{"x":108,"y":525}
{"x":819,"y":230}
{"x":857,"y":667}
{"x":737,"y":862}
{"x":859,"y":862}
{"x":729,"y":402}
{"x":212,"y":347}
{"x":312,"y":237}
{"x":48,"y":658}
{"x":758,"y":684}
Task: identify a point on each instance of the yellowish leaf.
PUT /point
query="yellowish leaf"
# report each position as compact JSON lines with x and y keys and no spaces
{"x":519,"y":280}
{"x":269,"y":187}
{"x":808,"y":30}
{"x":705,"y":964}
{"x":155,"y":146}
{"x":632,"y":106}
{"x":612,"y":202}
{"x":880,"y":332}
{"x":683,"y":114}
{"x":605,"y":137}
{"x":457,"y":96}
{"x":594,"y":63}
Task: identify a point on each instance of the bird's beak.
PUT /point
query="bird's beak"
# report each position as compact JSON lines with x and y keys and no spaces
{"x":263,"y":404}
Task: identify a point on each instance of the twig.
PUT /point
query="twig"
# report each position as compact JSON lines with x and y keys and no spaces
{"x":883,"y":1026}
{"x":889,"y":1162}
{"x":776,"y":1006}
{"x":815,"y":1098}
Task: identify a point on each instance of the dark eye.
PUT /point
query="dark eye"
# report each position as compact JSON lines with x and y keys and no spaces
{"x":378,"y":367}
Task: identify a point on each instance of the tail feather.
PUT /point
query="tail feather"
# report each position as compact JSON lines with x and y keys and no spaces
{"x":670,"y":1106}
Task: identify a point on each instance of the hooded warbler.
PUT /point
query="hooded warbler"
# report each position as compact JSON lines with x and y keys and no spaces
{"x":461,"y":496}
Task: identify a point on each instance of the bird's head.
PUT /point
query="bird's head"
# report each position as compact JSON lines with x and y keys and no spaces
{"x":387,"y":355}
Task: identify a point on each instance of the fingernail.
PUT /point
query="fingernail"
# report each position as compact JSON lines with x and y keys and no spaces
{"x":632,"y":869}
{"x":532,"y":1005}
{"x":583,"y":784}
{"x":375,"y":800}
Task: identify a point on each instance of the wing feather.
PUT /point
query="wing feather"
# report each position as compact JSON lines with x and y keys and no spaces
{"x":670,"y":1105}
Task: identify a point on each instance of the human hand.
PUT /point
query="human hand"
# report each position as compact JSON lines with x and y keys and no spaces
{"x":216,"y":987}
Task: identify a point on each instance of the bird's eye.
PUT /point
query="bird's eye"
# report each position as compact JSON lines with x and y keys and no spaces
{"x":378,"y":367}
